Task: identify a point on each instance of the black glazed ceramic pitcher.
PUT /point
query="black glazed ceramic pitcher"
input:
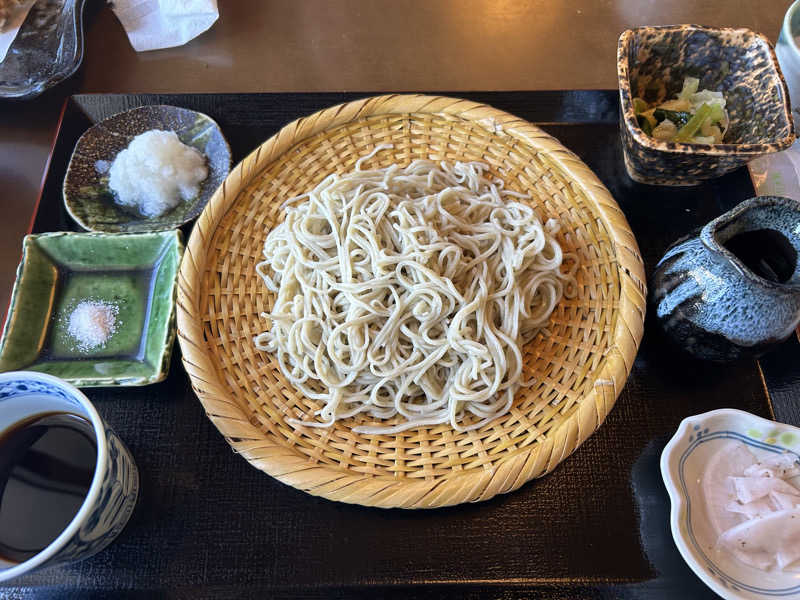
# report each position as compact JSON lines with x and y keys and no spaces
{"x":732,"y":289}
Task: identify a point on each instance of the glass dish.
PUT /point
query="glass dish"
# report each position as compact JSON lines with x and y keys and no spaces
{"x":47,"y":49}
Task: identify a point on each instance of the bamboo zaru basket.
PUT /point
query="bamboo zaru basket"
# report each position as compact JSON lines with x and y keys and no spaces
{"x":579,"y":369}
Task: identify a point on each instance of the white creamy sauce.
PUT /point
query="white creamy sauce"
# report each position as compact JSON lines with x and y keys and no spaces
{"x":754,"y":507}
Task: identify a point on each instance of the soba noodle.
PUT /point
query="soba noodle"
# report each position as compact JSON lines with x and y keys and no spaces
{"x":410,"y":291}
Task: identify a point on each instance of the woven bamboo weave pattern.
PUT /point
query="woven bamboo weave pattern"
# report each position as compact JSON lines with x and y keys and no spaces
{"x":579,"y":369}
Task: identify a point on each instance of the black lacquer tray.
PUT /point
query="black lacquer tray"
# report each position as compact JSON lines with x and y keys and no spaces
{"x":598,"y":527}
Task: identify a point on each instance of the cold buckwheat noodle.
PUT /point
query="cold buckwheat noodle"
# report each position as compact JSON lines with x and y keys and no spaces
{"x":410,"y":291}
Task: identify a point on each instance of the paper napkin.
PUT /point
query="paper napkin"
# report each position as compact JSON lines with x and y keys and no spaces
{"x":155,"y":24}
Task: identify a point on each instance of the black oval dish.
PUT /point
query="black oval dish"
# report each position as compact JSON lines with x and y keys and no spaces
{"x":87,"y":196}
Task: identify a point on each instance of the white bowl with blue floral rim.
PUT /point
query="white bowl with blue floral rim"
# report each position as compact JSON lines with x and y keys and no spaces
{"x":683,"y":462}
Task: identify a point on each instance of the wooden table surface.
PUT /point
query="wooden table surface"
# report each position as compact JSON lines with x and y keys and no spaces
{"x":349,"y":45}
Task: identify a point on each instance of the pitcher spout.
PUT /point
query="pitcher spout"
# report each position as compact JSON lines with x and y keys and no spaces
{"x":733,"y":290}
{"x":760,"y":238}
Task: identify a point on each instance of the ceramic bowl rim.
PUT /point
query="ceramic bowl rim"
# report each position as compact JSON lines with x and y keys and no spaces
{"x":144,"y":221}
{"x":679,"y":505}
{"x":786,"y":27}
{"x":686,"y":149}
{"x":161,"y":368}
{"x":97,"y":479}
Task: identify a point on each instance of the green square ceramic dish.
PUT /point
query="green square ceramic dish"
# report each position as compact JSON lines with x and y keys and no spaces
{"x":136,"y":272}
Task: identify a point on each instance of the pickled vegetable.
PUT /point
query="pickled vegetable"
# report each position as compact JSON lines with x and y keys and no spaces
{"x":695,"y":117}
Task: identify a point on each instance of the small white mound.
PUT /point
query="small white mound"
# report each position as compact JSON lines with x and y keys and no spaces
{"x":156,"y":172}
{"x":92,"y":323}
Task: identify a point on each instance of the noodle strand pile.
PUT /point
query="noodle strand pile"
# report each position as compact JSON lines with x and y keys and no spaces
{"x":410,"y":291}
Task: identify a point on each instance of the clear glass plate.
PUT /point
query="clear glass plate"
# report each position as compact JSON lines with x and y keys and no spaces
{"x":47,"y":49}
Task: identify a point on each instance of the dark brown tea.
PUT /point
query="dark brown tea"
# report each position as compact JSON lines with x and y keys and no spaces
{"x":47,"y":464}
{"x":766,"y":252}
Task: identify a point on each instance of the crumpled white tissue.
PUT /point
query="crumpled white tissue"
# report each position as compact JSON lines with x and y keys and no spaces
{"x":155,"y":24}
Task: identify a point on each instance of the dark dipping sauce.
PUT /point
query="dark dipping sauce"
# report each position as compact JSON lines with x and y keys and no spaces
{"x":47,"y":464}
{"x":766,"y":252}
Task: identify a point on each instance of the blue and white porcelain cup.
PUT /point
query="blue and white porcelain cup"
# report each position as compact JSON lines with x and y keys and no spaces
{"x":115,"y":484}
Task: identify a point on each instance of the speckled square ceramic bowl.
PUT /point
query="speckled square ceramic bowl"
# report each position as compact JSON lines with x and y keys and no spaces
{"x":652,"y":63}
{"x":136,"y":273}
